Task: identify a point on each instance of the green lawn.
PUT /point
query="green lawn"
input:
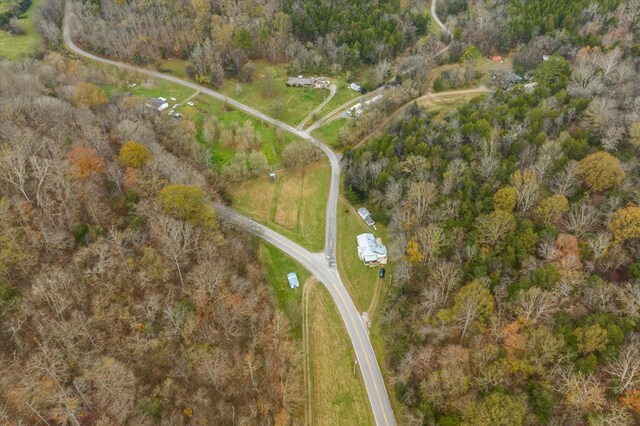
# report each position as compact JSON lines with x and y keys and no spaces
{"x":177,"y":67}
{"x":273,"y":140}
{"x":15,"y":47}
{"x":294,"y":205}
{"x":269,"y":93}
{"x":330,"y":133}
{"x":289,"y":301}
{"x":343,"y":95}
{"x":338,"y":394}
{"x":361,"y":281}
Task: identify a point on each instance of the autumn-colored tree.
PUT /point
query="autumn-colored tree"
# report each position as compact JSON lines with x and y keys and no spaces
{"x":551,"y":209}
{"x":86,"y":162}
{"x":90,"y":95}
{"x":188,"y":203}
{"x":591,"y":339}
{"x":625,"y":223}
{"x":631,"y":399}
{"x":134,"y":155}
{"x":601,"y":171}
{"x":414,"y":255}
{"x":505,"y":199}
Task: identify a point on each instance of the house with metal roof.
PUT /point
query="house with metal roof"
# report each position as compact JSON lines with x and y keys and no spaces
{"x":300,"y":81}
{"x":371,"y":250}
{"x":159,"y":104}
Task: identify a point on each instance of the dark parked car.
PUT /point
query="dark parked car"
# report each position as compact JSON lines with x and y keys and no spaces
{"x":381,"y":273}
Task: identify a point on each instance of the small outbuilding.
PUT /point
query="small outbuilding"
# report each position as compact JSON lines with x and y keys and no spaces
{"x":366,"y":216}
{"x":356,"y":87}
{"x":293,"y":280}
{"x":497,"y":59}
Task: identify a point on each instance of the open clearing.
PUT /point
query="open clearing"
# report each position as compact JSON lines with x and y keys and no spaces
{"x":329,"y":133}
{"x":289,"y":301}
{"x":361,"y":281}
{"x":15,"y":47}
{"x":268,"y":93}
{"x":274,"y":204}
{"x":338,"y":395}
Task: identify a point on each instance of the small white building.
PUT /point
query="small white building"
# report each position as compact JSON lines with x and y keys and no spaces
{"x":354,"y":86}
{"x":366,"y":216}
{"x":371,"y":250}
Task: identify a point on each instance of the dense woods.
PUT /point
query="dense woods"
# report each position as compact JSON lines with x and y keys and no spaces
{"x":123,"y":299}
{"x":221,"y":39}
{"x":514,"y":222}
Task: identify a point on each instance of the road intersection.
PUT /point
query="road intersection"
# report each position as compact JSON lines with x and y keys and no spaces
{"x":321,"y":265}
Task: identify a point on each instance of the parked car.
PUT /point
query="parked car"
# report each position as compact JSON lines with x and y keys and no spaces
{"x":381,"y":272}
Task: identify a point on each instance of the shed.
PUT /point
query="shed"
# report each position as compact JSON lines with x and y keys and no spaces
{"x":159,"y":104}
{"x":293,"y":280}
{"x":497,"y":59}
{"x":354,"y":86}
{"x":366,"y":216}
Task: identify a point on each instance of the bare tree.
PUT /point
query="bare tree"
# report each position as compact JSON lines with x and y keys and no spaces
{"x":625,"y":368}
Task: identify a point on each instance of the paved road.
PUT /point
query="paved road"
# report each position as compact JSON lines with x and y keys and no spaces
{"x":322,"y":265}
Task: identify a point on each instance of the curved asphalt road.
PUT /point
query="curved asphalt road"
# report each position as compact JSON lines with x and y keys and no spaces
{"x":322,"y":265}
{"x":438,"y":21}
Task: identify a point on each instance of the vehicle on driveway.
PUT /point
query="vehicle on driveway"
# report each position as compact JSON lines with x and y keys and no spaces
{"x":381,"y":272}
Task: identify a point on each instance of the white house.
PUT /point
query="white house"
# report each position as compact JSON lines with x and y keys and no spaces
{"x":159,"y":104}
{"x":371,"y":250}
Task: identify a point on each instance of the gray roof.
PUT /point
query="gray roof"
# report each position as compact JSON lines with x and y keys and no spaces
{"x":299,"y":81}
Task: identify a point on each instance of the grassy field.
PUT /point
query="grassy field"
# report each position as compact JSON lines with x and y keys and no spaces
{"x":269,"y":93}
{"x":15,"y":47}
{"x":343,"y":95}
{"x":273,"y":140}
{"x":177,"y":67}
{"x":289,"y":301}
{"x":294,"y":205}
{"x":361,"y":281}
{"x":338,"y":395}
{"x":330,"y":132}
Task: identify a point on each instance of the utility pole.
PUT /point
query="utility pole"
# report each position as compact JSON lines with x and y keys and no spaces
{"x":355,"y":362}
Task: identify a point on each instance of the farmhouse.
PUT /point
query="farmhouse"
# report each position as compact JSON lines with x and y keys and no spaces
{"x":300,"y":81}
{"x":371,"y":250}
{"x":159,"y":104}
{"x":366,"y":216}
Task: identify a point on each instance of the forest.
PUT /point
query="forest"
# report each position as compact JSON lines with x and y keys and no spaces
{"x":515,"y":228}
{"x":123,"y":298}
{"x":220,"y":40}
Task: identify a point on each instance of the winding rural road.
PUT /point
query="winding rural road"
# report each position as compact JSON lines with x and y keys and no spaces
{"x":322,"y":265}
{"x":438,"y":21}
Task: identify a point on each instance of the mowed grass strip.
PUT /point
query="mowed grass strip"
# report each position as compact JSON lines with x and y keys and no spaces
{"x":338,"y":395}
{"x":330,"y":133}
{"x":287,"y":210}
{"x":299,"y":196}
{"x":288,"y":300}
{"x":18,"y":46}
{"x":360,"y":280}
